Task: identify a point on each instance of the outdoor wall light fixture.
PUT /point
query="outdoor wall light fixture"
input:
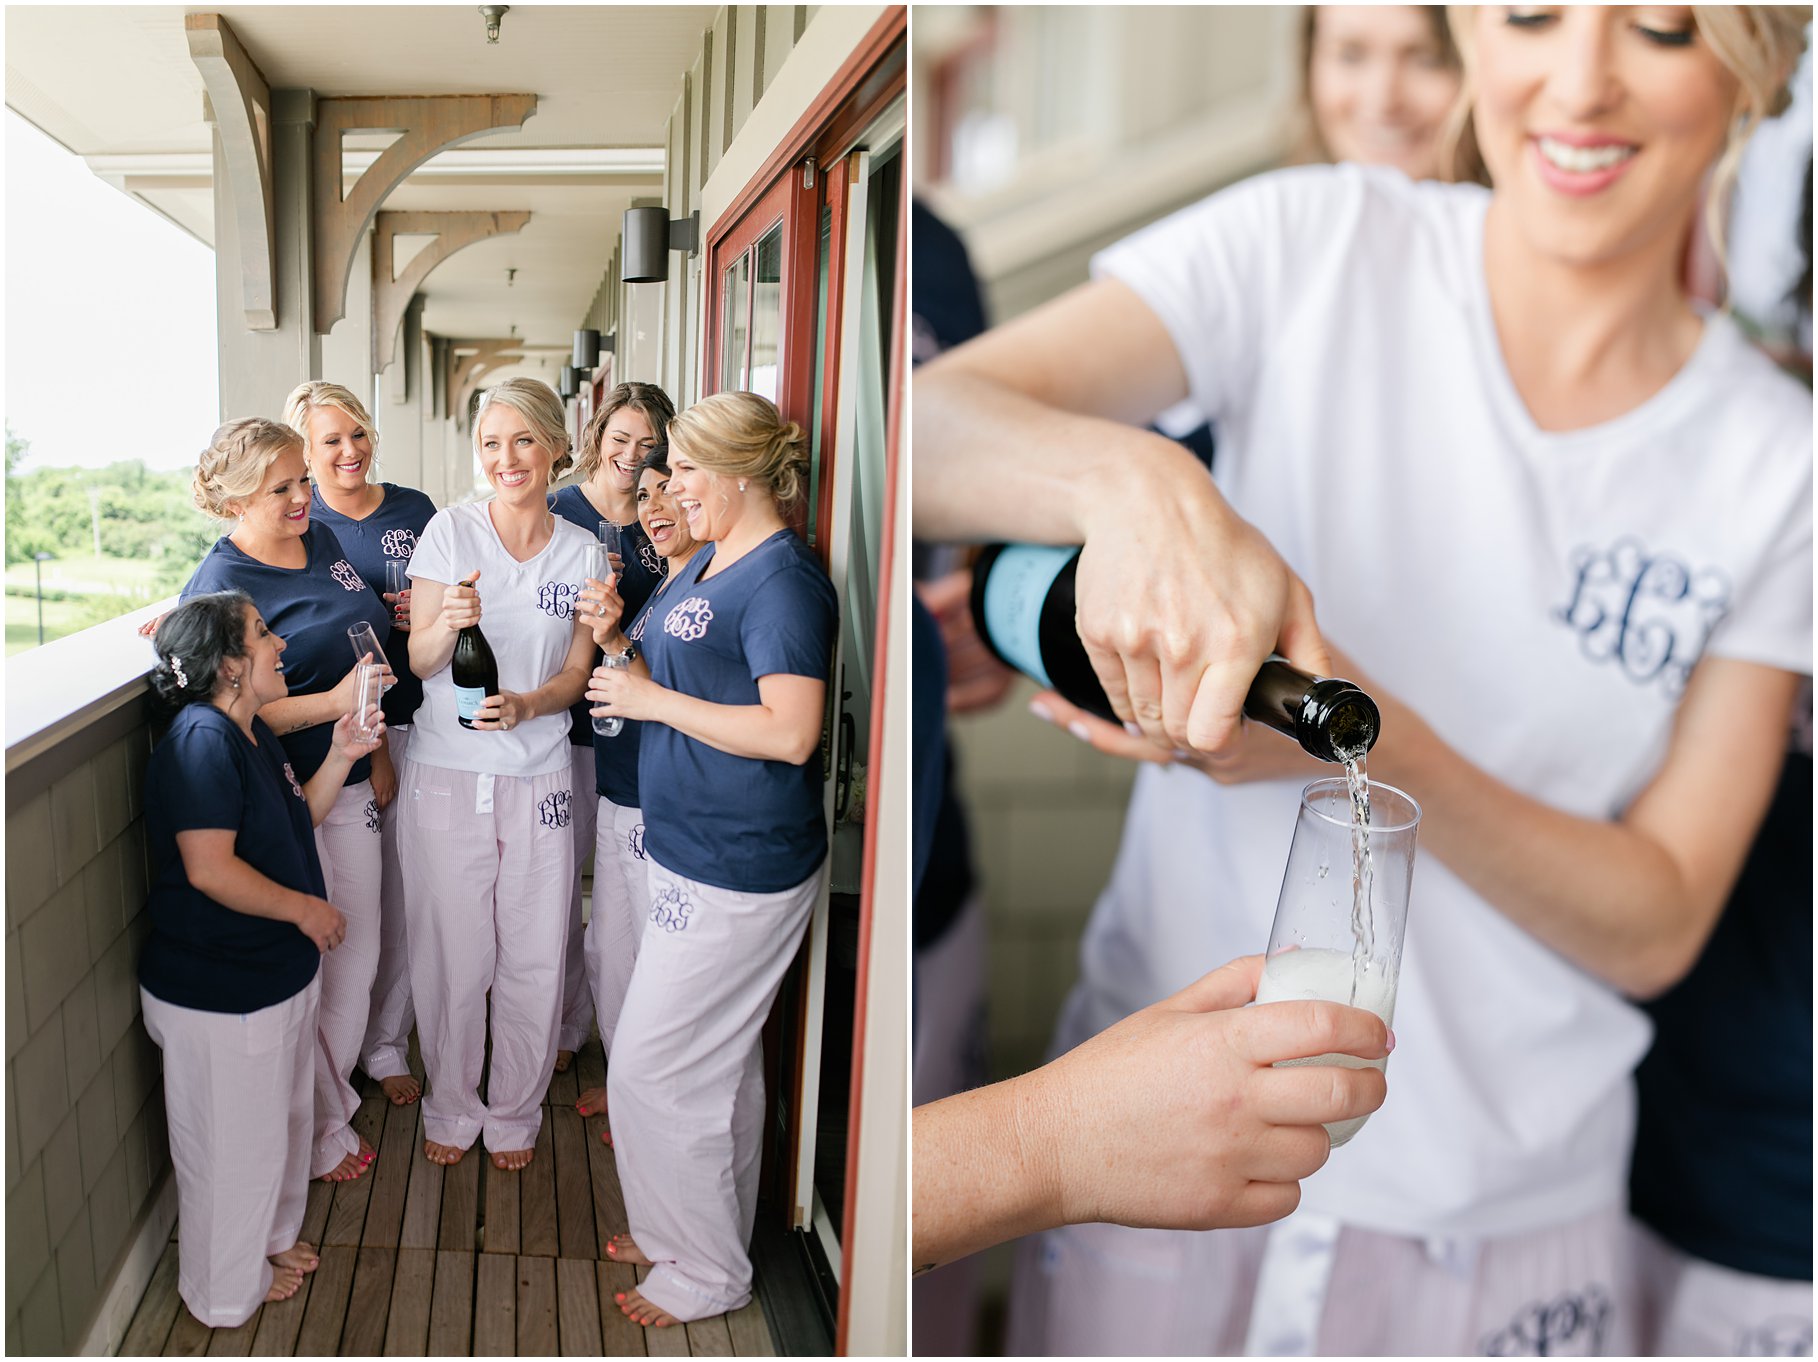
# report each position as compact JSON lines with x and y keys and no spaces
{"x":649,"y":235}
{"x":589,"y":345}
{"x":492,"y":14}
{"x":567,"y":386}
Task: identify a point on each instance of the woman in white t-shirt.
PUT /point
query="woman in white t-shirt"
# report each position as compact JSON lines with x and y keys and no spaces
{"x":486,"y":832}
{"x":1560,"y":523}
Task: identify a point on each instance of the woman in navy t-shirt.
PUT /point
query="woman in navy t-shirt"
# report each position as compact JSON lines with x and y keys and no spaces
{"x":738,"y":648}
{"x":629,"y":424}
{"x":254,"y":472}
{"x":621,"y":874}
{"x":377,"y":525}
{"x":228,"y":977}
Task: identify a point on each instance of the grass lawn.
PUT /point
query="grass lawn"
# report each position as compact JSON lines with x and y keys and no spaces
{"x":60,"y":618}
{"x":87,"y":575}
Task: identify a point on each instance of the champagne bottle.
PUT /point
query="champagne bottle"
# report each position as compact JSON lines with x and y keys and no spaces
{"x":1023,"y":608}
{"x":475,"y":670}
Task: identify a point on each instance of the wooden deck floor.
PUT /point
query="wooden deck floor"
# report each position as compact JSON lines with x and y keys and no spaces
{"x":422,"y":1260}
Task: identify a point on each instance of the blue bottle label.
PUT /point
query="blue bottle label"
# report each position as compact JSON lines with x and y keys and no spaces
{"x":1019,"y":583}
{"x":468,"y":700}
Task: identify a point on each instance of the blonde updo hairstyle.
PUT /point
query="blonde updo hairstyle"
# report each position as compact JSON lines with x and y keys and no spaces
{"x":646,"y":398}
{"x":742,"y":435}
{"x":305,"y":398}
{"x":1758,"y":44}
{"x":236,"y":461}
{"x":538,"y":404}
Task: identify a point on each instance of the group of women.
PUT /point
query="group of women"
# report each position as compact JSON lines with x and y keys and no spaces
{"x":330,"y":873}
{"x":1559,"y":519}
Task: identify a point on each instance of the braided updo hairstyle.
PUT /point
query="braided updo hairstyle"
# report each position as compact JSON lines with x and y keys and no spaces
{"x":192,"y":642}
{"x":236,"y":461}
{"x":743,"y":435}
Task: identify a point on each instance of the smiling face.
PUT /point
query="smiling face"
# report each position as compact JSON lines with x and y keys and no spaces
{"x":263,"y":662}
{"x":1380,"y":85}
{"x":710,"y":505}
{"x":657,"y":513}
{"x":1598,"y":125}
{"x":340,"y":449}
{"x":628,"y":437}
{"x":279,"y":509}
{"x":513,"y":460}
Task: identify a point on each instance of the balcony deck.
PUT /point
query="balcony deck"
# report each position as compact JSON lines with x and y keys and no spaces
{"x":467,"y":1261}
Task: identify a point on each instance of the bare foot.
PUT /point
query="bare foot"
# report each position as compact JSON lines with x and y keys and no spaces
{"x":511,"y":1160}
{"x":366,"y":1152}
{"x":592,"y":1102}
{"x":285,"y":1282}
{"x":445,"y":1154}
{"x":348,"y":1169}
{"x":622,"y":1248}
{"x":640,"y":1311}
{"x":299,"y":1256}
{"x":402,"y":1090}
{"x":563,"y":1059}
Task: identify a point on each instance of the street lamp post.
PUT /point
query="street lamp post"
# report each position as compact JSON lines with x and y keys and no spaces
{"x":38,"y":562}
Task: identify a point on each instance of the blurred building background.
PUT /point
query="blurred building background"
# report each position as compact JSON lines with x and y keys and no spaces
{"x":1041,"y":135}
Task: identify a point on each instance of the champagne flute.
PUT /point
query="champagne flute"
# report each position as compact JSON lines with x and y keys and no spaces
{"x":365,"y":641}
{"x":397,"y":582}
{"x":599,"y":566}
{"x":368,"y":687}
{"x":613,"y":538}
{"x":1343,"y":911}
{"x":612,"y":725}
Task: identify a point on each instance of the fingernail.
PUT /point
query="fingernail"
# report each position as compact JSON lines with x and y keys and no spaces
{"x":1079,"y":730}
{"x":1041,"y":711}
{"x":1389,"y":1048}
{"x":1135,"y":730}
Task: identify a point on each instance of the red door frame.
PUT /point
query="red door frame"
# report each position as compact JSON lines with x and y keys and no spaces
{"x":874,"y":74}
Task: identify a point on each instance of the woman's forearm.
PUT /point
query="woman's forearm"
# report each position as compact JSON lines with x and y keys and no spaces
{"x":561,"y":692}
{"x":761,"y":732}
{"x":324,"y":787}
{"x":297,"y":712}
{"x":979,"y":1179}
{"x":431,"y":649}
{"x":235,"y":885}
{"x":1631,"y":900}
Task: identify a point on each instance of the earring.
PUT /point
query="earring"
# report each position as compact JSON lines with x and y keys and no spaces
{"x":235,"y":681}
{"x":741,"y":484}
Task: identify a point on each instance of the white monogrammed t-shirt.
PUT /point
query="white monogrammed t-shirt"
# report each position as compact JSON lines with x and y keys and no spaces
{"x":527,"y":615}
{"x":1539,"y":598}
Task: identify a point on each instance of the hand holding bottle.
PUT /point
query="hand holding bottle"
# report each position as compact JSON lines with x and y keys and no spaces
{"x":461,"y":606}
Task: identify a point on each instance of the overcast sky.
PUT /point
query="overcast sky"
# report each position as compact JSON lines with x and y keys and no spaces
{"x":110,"y":318}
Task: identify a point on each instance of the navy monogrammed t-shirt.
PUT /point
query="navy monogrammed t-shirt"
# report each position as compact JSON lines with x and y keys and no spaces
{"x":205,"y":774}
{"x":736,"y":822}
{"x":643,"y":570}
{"x":311,"y":608}
{"x":388,"y":535}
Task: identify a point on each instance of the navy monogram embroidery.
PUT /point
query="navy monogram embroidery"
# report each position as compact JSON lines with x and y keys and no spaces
{"x":670,"y":909}
{"x":1546,"y":1328}
{"x":558,"y":598}
{"x":398,"y":543}
{"x":372,"y":815}
{"x":634,"y":840}
{"x":1647,"y":613}
{"x":554,"y":811}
